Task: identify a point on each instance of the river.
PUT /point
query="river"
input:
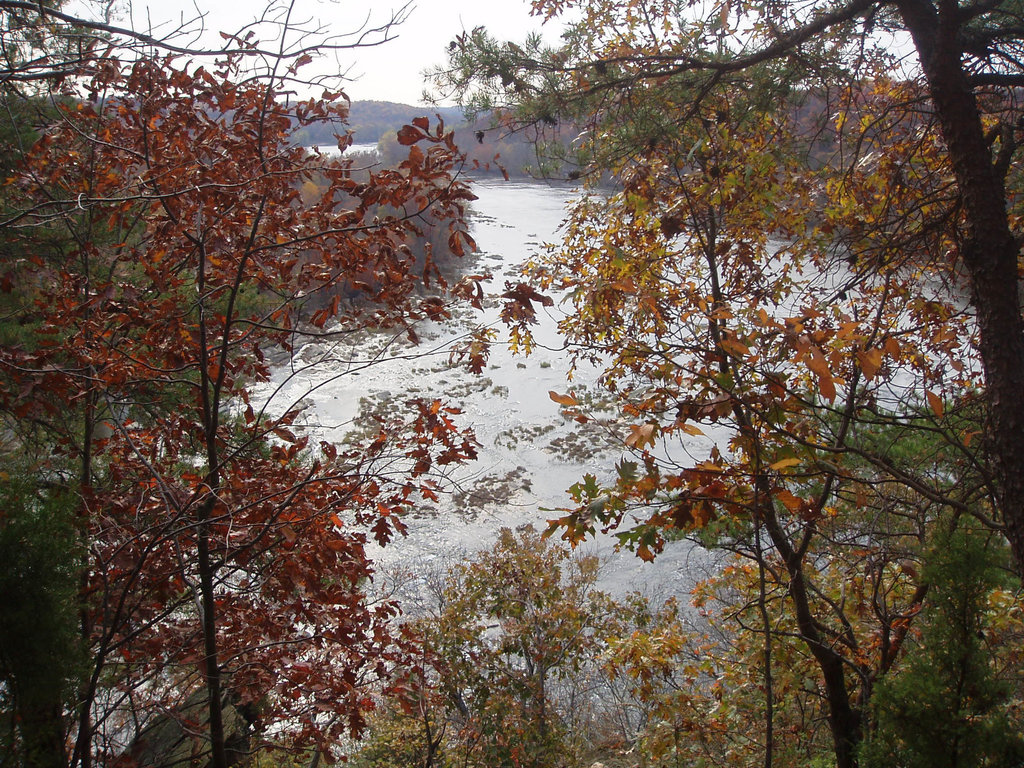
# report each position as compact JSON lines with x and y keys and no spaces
{"x":529,"y":454}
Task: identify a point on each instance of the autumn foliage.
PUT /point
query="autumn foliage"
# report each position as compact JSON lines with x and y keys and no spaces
{"x":802,"y":291}
{"x":169,"y":261}
{"x":795,"y":261}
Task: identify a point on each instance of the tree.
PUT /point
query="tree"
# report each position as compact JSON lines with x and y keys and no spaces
{"x":223,"y":557}
{"x":511,"y":650}
{"x":41,"y":657}
{"x":809,"y":245}
{"x":946,"y":707}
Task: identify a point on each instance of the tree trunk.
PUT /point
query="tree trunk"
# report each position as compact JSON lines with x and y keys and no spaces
{"x":989,"y":251}
{"x":844,"y":719}
{"x":218,"y":748}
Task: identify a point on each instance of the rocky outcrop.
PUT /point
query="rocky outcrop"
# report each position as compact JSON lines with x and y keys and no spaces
{"x":180,"y":739}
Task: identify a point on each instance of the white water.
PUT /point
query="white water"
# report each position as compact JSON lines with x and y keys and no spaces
{"x":331,"y":150}
{"x":529,"y":454}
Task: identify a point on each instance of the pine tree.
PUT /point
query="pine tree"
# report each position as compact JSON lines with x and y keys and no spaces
{"x":40,"y":647}
{"x":945,"y":708}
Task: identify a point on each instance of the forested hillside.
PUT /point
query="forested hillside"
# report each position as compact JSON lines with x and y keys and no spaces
{"x":369,"y":121}
{"x":489,"y":147}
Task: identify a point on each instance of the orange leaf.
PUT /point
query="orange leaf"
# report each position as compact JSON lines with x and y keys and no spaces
{"x":566,"y":400}
{"x":935,"y":402}
{"x":819,"y":366}
{"x":409,"y":135}
{"x":827,"y":388}
{"x":793,"y":503}
{"x":285,"y":434}
{"x":640,"y":435}
{"x":870,"y":361}
{"x":735,"y":347}
{"x":848,"y":329}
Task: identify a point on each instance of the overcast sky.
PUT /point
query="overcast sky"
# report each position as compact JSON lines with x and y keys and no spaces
{"x":390,"y":72}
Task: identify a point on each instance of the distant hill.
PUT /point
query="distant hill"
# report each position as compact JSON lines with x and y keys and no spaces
{"x":488,"y":149}
{"x":369,"y":120}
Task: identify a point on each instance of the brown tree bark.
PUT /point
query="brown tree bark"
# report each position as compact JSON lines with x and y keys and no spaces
{"x":844,"y":719}
{"x":989,"y":250}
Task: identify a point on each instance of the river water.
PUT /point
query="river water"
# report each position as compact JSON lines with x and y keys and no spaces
{"x":529,"y":454}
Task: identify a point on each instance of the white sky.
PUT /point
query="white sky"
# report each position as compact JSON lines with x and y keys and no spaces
{"x":390,"y":72}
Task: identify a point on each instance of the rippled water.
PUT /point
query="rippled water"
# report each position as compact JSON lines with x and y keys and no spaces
{"x":529,"y":454}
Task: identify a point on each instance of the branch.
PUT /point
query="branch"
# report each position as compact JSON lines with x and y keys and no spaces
{"x":783,"y":45}
{"x":366,"y":36}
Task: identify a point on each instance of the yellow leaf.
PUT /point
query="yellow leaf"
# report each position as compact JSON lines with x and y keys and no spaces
{"x":783,"y":463}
